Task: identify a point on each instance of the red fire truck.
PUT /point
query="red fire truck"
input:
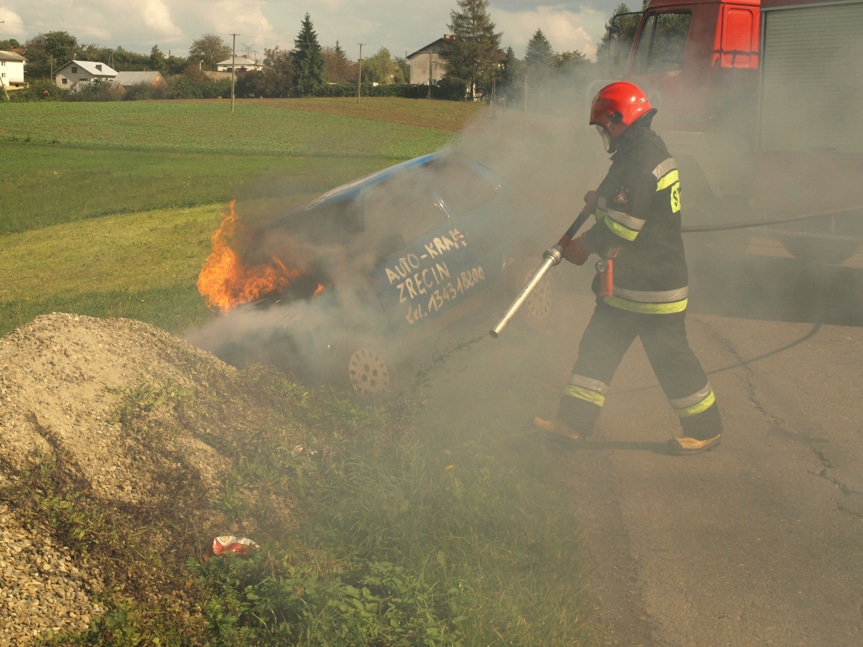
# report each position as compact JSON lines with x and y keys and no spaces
{"x":761,"y":104}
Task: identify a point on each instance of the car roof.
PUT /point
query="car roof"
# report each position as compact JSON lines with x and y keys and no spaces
{"x":353,"y":189}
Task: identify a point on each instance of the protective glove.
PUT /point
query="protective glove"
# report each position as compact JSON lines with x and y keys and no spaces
{"x":577,"y":251}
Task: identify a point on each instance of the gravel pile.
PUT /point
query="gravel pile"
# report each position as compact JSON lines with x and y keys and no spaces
{"x":61,"y":377}
{"x":41,"y":589}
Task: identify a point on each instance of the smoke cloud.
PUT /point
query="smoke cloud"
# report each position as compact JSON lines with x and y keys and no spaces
{"x":536,"y":138}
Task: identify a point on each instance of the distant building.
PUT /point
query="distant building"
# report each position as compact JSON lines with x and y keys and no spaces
{"x":75,"y":72}
{"x":151,"y":79}
{"x":241,"y":65}
{"x":12,"y":70}
{"x":427,"y":65}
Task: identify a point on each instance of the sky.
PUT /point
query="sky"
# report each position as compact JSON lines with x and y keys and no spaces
{"x":400,"y":26}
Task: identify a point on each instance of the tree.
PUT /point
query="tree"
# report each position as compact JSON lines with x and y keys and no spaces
{"x":473,"y":55}
{"x":158,"y":62}
{"x":308,"y":61}
{"x":9,"y":45}
{"x":337,"y":67}
{"x":539,"y":56}
{"x":617,"y":40}
{"x":382,"y":68}
{"x":277,"y":77}
{"x":510,"y":85}
{"x":565,"y":59}
{"x":45,"y":53}
{"x":62,"y":46}
{"x":209,"y":50}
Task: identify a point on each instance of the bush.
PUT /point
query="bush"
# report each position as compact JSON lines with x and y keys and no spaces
{"x":143,"y":91}
{"x":184,"y":86}
{"x":41,"y":90}
{"x":97,"y":90}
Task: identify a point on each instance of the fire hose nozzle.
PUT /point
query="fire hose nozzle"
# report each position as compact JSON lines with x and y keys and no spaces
{"x":551,"y":257}
{"x":555,"y":253}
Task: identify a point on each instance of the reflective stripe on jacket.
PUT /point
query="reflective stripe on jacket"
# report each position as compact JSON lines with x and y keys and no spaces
{"x":638,"y":224}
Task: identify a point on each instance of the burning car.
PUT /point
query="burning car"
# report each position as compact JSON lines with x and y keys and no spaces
{"x":345,"y":287}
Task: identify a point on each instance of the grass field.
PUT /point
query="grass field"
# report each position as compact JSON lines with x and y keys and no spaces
{"x":86,"y":185}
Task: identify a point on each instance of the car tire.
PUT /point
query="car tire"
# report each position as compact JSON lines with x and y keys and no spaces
{"x":365,"y":368}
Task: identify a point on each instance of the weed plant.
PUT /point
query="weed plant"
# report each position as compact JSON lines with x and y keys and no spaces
{"x":406,"y":535}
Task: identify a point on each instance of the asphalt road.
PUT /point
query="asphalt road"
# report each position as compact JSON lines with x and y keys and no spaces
{"x":759,"y":542}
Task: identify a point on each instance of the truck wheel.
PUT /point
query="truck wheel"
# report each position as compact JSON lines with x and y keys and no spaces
{"x":365,"y":368}
{"x":820,"y":251}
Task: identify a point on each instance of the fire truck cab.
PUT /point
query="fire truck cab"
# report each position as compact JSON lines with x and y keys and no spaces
{"x":759,"y":102}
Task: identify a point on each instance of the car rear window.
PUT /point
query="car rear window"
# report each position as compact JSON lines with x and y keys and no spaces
{"x":421,"y":199}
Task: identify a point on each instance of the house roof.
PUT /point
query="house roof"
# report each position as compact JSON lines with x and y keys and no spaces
{"x":11,"y":56}
{"x":239,"y":60}
{"x":93,"y":67}
{"x":434,"y":46}
{"x":134,"y":78}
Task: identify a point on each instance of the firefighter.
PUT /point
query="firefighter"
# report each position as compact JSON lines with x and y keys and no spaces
{"x":641,"y":280}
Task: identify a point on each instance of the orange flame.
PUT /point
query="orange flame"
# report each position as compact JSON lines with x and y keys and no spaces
{"x":225,"y":282}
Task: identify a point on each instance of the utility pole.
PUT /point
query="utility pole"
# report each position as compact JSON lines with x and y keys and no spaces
{"x":233,"y":68}
{"x":431,"y":73}
{"x":360,"y":74}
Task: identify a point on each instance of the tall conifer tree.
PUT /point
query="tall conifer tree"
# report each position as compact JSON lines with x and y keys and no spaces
{"x":473,"y":55}
{"x":308,"y":60}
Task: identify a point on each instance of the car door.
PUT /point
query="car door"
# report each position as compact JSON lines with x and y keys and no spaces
{"x":442,"y":252}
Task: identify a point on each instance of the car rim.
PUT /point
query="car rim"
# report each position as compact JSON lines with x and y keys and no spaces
{"x":538,"y":304}
{"x":368,"y":371}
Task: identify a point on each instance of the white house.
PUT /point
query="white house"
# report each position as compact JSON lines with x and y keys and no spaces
{"x":12,"y":70}
{"x":427,"y":65}
{"x":241,"y":64}
{"x":74,"y":72}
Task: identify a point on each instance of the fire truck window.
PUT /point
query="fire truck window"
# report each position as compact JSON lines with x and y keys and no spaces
{"x":662,"y":43}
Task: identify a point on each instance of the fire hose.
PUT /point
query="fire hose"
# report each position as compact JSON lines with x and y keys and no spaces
{"x":772,"y":221}
{"x":553,"y":255}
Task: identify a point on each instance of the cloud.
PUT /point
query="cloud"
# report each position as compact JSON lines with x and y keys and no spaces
{"x":156,"y":15}
{"x":566,"y":30}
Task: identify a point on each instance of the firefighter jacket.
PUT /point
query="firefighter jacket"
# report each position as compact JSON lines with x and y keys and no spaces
{"x":638,"y":225}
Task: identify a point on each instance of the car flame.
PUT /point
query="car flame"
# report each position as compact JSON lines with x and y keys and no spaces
{"x":226,"y":282}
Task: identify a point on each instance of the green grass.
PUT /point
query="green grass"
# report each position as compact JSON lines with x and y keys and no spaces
{"x":72,"y":161}
{"x":55,"y":184}
{"x":141,"y":265}
{"x":255,"y":127}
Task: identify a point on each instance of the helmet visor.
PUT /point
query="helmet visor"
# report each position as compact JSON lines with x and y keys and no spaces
{"x":605,"y":136}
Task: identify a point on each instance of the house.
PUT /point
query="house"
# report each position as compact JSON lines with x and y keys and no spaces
{"x":241,"y":65}
{"x":427,"y":65}
{"x":150,"y":79}
{"x":75,"y":72}
{"x":12,"y":70}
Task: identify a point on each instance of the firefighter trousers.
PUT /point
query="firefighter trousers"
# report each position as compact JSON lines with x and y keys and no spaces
{"x":608,"y":336}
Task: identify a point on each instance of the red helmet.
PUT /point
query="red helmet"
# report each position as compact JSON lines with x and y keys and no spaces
{"x":619,"y":103}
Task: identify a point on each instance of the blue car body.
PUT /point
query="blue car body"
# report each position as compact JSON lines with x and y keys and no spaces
{"x":400,"y":255}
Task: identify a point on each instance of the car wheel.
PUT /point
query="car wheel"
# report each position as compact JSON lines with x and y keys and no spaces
{"x":538,"y":308}
{"x":365,"y":368}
